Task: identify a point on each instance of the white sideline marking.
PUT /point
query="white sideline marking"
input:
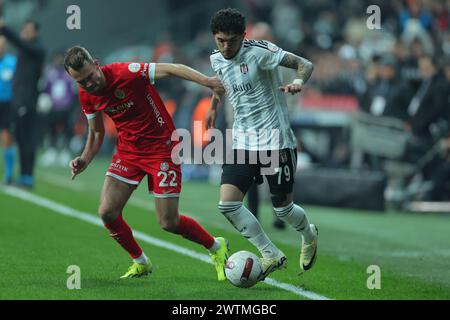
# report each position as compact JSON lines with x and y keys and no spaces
{"x":62,"y":181}
{"x":343,"y":253}
{"x":70,"y":212}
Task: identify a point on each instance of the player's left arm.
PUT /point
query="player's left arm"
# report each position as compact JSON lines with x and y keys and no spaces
{"x":304,"y":69}
{"x":165,"y":70}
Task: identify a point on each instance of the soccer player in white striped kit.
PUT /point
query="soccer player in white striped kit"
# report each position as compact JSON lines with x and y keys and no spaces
{"x":248,"y":71}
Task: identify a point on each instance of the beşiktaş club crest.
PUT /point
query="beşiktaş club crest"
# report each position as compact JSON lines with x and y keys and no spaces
{"x":244,"y":68}
{"x":119,"y":93}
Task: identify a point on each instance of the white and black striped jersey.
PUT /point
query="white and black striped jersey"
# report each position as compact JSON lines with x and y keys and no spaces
{"x":251,"y":80}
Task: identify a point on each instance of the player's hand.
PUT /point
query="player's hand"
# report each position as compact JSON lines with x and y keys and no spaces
{"x":215,"y":85}
{"x":210,"y":119}
{"x":78,"y":165}
{"x":219,"y":92}
{"x":293,"y":88}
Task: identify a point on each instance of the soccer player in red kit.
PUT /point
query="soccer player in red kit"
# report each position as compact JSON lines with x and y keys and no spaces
{"x":125,"y":92}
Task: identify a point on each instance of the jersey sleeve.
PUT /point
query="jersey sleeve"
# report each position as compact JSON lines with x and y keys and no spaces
{"x":144,"y":71}
{"x":268,"y":55}
{"x":213,"y":65}
{"x":86,"y":106}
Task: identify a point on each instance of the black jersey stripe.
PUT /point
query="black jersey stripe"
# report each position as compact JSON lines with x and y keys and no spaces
{"x":255,"y":45}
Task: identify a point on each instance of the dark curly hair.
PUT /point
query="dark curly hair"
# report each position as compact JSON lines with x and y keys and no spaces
{"x":228,"y":21}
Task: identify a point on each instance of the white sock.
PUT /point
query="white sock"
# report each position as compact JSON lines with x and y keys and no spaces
{"x":246,"y":223}
{"x":142,"y":259}
{"x":215,"y":246}
{"x":296,"y":217}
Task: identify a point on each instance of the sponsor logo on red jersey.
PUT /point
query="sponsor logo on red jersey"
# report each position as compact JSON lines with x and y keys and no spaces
{"x":157,"y":113}
{"x":118,"y":167}
{"x":112,"y":111}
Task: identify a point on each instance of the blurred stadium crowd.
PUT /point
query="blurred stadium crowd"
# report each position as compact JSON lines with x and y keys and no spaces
{"x":379,"y":99}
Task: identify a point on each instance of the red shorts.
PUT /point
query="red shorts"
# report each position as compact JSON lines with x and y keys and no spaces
{"x":164,"y":177}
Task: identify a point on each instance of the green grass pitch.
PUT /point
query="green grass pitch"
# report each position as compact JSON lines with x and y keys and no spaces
{"x":38,"y":245}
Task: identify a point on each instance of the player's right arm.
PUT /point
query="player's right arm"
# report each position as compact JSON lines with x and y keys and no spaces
{"x":94,"y":142}
{"x":218,"y":95}
{"x":211,"y":116}
{"x":165,"y":70}
{"x":304,"y":70}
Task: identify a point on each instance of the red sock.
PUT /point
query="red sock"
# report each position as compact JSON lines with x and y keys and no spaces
{"x":190,"y":229}
{"x":121,"y":232}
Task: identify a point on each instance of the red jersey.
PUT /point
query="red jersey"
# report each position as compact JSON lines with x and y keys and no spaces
{"x":144,"y":127}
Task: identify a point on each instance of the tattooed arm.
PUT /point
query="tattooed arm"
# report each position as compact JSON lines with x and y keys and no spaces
{"x":304,"y":69}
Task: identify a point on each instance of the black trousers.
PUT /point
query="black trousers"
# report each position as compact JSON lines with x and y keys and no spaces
{"x":26,"y":134}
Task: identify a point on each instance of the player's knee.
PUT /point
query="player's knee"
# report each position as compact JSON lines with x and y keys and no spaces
{"x":169,"y":225}
{"x":279,"y":200}
{"x":229,"y":207}
{"x":108,"y":215}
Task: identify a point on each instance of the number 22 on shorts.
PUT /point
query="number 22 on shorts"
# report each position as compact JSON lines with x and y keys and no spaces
{"x":171,"y":175}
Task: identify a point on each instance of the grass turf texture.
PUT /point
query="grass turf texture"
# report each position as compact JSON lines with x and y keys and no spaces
{"x":39,"y":244}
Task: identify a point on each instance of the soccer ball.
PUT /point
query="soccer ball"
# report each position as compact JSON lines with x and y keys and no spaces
{"x":243,"y":269}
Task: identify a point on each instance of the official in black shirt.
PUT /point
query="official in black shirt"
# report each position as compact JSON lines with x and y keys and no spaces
{"x":30,"y":61}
